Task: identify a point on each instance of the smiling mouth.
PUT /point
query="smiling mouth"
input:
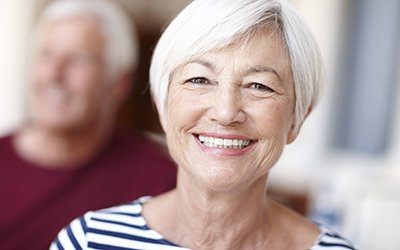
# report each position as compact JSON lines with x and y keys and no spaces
{"x":215,"y":142}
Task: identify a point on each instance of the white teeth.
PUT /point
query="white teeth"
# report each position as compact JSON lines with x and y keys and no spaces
{"x":214,"y":142}
{"x":228,"y":142}
{"x":219,"y":141}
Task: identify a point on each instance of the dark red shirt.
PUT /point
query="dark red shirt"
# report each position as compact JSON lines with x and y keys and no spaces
{"x":36,"y":202}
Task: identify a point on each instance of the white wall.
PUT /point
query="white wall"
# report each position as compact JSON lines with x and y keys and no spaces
{"x":15,"y":17}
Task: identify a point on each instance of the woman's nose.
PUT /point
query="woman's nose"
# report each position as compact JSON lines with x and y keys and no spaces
{"x":56,"y":70}
{"x":227,"y":107}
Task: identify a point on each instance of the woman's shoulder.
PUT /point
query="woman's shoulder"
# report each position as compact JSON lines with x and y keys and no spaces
{"x":128,"y":212}
{"x":331,"y":240}
{"x":115,"y":221}
{"x":306,"y":232}
{"x":119,"y":227}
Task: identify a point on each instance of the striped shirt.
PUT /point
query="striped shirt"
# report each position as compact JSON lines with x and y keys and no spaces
{"x":123,"y":227}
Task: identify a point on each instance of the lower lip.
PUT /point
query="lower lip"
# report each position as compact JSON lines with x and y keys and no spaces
{"x":223,"y":151}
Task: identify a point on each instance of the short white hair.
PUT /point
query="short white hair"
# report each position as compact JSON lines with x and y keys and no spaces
{"x":121,"y":49}
{"x":208,"y":25}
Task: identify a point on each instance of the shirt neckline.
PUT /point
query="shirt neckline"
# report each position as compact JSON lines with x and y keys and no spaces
{"x":142,"y":200}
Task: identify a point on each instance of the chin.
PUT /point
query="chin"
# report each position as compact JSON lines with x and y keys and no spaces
{"x":56,"y":124}
{"x":217,"y":178}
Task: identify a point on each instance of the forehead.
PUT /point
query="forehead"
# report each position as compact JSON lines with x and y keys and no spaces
{"x":264,"y":48}
{"x":72,"y":30}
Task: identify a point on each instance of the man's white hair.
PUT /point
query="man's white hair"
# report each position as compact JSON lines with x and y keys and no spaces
{"x":208,"y":25}
{"x":121,"y":49}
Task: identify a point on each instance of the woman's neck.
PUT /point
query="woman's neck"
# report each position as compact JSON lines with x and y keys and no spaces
{"x":238,"y":219}
{"x":222,"y":221}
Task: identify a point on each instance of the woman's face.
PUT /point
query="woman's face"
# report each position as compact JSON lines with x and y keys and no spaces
{"x":231,"y":112}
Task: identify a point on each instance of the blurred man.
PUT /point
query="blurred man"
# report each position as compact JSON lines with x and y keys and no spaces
{"x":68,"y":158}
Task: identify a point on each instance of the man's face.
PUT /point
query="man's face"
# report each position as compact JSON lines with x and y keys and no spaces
{"x":67,"y":88}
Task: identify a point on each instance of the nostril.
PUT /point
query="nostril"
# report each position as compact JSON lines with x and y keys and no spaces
{"x":228,"y":117}
{"x":226,"y":105}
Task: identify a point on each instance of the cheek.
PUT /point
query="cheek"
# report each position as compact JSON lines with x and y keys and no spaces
{"x":38,"y":74}
{"x":271,"y":120}
{"x":183,"y":113}
{"x":83,"y":75}
{"x":271,"y":151}
{"x":88,"y":82}
{"x":177,"y":117}
{"x":272,"y":123}
{"x":184,"y":110}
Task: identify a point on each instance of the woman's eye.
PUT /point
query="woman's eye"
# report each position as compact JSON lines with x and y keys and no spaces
{"x":261,"y":87}
{"x":199,"y":81}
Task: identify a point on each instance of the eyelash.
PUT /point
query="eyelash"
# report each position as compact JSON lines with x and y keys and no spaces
{"x":260,"y":87}
{"x":198,"y":81}
{"x":204,"y":81}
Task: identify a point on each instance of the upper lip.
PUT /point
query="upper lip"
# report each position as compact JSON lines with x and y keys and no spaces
{"x":224,"y":136}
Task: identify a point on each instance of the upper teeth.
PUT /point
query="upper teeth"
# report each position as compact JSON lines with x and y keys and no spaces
{"x":215,"y":142}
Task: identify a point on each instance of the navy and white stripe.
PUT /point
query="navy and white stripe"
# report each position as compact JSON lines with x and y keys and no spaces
{"x":123,"y":228}
{"x":330,"y":240}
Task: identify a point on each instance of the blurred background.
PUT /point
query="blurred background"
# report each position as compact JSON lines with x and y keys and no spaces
{"x":344,"y":169}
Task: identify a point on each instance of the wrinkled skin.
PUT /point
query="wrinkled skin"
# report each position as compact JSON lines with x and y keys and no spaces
{"x":245,"y":90}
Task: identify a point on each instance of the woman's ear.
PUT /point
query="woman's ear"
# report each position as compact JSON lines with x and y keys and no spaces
{"x":295,"y":129}
{"x":293,"y":133}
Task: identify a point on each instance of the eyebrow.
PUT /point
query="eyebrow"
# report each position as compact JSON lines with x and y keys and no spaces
{"x":206,"y":64}
{"x":260,"y":69}
{"x":252,"y":70}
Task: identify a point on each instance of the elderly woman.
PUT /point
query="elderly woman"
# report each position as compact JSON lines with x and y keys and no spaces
{"x":233,"y":81}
